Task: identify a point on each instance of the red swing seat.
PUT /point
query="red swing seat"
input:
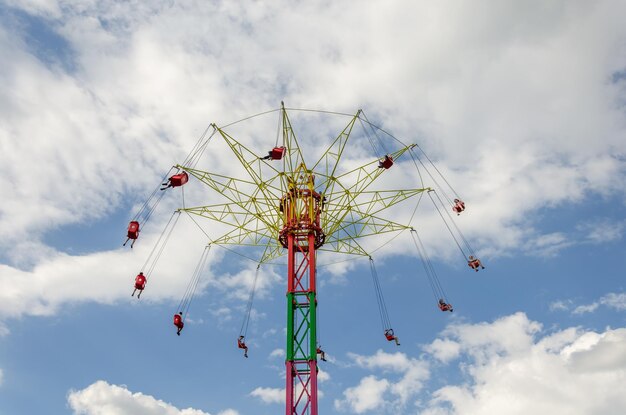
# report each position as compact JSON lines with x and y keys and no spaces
{"x":133,"y":230}
{"x":179,"y":179}
{"x":277,"y":153}
{"x":178,"y":321}
{"x":140,"y":282}
{"x":386,"y":162}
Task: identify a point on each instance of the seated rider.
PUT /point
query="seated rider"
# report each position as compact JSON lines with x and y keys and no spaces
{"x":140,"y":284}
{"x":443,"y":306}
{"x":459,"y":206}
{"x":321,"y":353}
{"x":391,"y":337}
{"x":132,"y":233}
{"x":474,"y":263}
{"x":176,"y":180}
{"x":386,"y":162}
{"x":242,"y":345}
{"x":274,"y":154}
{"x":178,"y":322}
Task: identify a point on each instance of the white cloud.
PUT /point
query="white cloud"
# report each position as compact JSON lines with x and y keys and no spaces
{"x":104,"y":277}
{"x":615,"y":300}
{"x":37,"y":6}
{"x":239,"y":285}
{"x":509,"y":335}
{"x":560,"y":305}
{"x":569,"y":371}
{"x":366,"y":396}
{"x":4,"y":330}
{"x":507,"y":366}
{"x":396,"y":362}
{"x":323,"y":376}
{"x":586,"y":308}
{"x":223,"y":314}
{"x":269,"y":395}
{"x":601,"y":231}
{"x":411,"y":374}
{"x":277,"y":353}
{"x":443,"y":349}
{"x":548,"y":245}
{"x":102,"y":398}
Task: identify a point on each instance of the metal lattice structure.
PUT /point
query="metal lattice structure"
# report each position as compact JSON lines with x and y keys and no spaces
{"x":294,"y":208}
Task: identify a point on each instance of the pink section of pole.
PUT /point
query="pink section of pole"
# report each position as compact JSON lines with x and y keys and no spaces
{"x":312,"y":267}
{"x":289,"y":388}
{"x":313,"y":380}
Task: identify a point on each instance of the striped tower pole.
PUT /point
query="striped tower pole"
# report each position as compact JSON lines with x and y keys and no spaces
{"x":302,"y":236}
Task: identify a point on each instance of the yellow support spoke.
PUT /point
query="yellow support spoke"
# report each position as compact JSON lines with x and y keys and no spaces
{"x":272,"y":251}
{"x":375,"y":201}
{"x":368,"y":173}
{"x":371,"y":202}
{"x":228,"y":214}
{"x":330,"y":158}
{"x":241,"y":192}
{"x":363,"y":226}
{"x":293,"y":156}
{"x":249,"y":159}
{"x":246,"y":236}
{"x":344,"y":246}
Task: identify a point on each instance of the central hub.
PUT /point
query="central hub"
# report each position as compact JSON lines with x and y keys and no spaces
{"x":301,"y":207}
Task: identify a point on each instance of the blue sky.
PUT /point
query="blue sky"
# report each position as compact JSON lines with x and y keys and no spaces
{"x":521,"y":105}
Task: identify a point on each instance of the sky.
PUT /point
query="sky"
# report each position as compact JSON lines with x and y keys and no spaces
{"x":521,"y":106}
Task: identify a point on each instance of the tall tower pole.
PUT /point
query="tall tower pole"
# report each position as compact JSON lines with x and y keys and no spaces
{"x":301,"y":235}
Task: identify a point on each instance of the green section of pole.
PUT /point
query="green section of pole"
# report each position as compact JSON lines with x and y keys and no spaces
{"x":290,"y":318}
{"x":312,"y":325}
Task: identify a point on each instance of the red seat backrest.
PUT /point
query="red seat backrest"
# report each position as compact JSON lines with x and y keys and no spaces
{"x":277,"y":153}
{"x":133,"y":230}
{"x":140,"y":282}
{"x":179,"y":179}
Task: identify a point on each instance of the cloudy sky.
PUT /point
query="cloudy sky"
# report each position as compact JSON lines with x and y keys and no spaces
{"x":522,"y":106}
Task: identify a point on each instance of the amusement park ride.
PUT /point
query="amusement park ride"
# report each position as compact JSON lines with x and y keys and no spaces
{"x":288,"y":206}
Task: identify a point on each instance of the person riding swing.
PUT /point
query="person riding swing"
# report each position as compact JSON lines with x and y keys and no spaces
{"x":320,"y":352}
{"x":274,"y":154}
{"x":474,"y":263}
{"x":386,"y":162}
{"x":242,"y":345}
{"x":443,"y":306}
{"x":176,"y":180}
{"x":140,"y":284}
{"x":459,"y":206}
{"x":390,"y":336}
{"x":178,"y":322}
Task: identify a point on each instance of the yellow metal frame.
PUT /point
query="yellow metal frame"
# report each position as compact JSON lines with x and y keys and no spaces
{"x":253,"y":209}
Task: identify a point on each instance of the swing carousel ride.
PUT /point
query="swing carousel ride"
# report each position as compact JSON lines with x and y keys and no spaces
{"x":282,"y":204}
